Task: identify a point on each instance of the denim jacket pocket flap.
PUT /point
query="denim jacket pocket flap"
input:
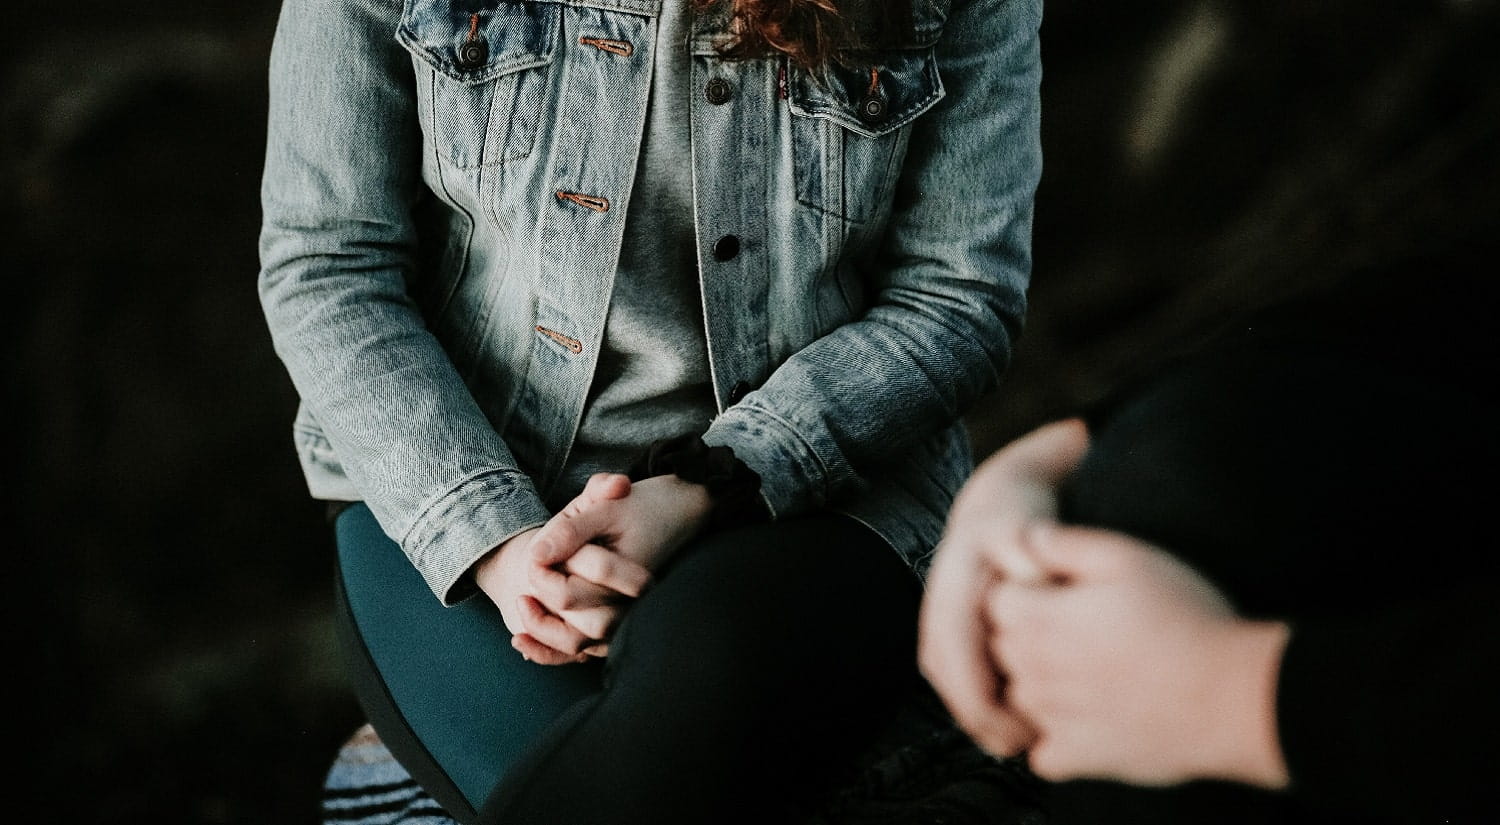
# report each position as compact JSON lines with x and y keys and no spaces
{"x":494,"y":39}
{"x":871,"y":94}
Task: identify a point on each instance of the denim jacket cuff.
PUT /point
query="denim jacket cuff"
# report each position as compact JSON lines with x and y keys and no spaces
{"x":793,"y":478}
{"x":457,"y":530}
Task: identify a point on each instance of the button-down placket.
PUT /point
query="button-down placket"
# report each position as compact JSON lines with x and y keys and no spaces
{"x":729,"y":194}
{"x":597,"y":136}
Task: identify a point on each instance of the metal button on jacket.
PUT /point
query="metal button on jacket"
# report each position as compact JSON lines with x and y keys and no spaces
{"x":472,"y":54}
{"x":872,"y":110}
{"x":717,"y":91}
{"x":726,"y":248}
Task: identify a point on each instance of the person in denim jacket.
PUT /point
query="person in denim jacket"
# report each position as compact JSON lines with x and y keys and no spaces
{"x":510,"y":248}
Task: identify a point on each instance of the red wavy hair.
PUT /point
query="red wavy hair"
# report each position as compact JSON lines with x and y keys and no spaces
{"x":809,"y":32}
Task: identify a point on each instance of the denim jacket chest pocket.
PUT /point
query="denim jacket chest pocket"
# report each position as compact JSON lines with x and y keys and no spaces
{"x":851,"y":123}
{"x":481,"y":75}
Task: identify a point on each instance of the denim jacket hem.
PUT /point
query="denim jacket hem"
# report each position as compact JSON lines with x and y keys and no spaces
{"x":468,"y":522}
{"x":791,"y":474}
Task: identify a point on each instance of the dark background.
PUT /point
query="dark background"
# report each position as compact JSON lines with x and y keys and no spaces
{"x":172,"y":655}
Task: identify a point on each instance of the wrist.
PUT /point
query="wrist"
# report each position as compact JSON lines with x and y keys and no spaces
{"x":493,"y":566}
{"x":724,"y":486}
{"x":697,"y":500}
{"x":1251,"y":750}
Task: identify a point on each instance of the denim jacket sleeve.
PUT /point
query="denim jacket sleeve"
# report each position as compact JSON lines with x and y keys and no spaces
{"x":949,"y":299}
{"x":337,"y":244}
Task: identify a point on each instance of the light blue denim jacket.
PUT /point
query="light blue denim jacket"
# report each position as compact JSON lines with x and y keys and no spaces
{"x":444,"y":197}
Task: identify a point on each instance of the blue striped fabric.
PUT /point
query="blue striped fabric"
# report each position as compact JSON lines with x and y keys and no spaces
{"x":367,"y":786}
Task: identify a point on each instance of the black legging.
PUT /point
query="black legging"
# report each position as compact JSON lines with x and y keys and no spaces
{"x":752,"y":672}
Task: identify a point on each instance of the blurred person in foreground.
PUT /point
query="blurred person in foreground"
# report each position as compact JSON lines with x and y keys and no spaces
{"x":1256,"y":586}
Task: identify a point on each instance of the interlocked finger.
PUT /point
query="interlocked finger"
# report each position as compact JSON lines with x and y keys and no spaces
{"x":596,"y":623}
{"x":558,"y":591}
{"x":609,"y":569}
{"x":550,"y":629}
{"x":534,"y":651}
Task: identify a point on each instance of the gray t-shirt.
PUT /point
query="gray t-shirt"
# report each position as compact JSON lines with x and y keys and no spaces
{"x":652,"y":380}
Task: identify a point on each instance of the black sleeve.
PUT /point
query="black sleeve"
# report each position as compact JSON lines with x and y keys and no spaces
{"x":1332,"y":464}
{"x":1394,"y":713}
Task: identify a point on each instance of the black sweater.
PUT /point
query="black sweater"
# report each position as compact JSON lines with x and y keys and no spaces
{"x":1331,"y":463}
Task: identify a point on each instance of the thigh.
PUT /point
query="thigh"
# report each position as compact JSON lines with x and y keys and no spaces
{"x":781,"y":619}
{"x":762,"y":661}
{"x":442,"y":685}
{"x":820,"y":587}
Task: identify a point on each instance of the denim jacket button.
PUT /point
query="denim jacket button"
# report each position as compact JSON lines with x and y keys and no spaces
{"x":726,"y":248}
{"x":738,"y":392}
{"x":472,"y":54}
{"x":717,"y":91}
{"x":872,"y":110}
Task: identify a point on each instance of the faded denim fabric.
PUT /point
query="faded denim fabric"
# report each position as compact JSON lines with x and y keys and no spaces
{"x":444,"y":199}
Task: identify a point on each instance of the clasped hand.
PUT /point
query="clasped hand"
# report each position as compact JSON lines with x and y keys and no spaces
{"x":562,"y":588}
{"x":1095,"y":654}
